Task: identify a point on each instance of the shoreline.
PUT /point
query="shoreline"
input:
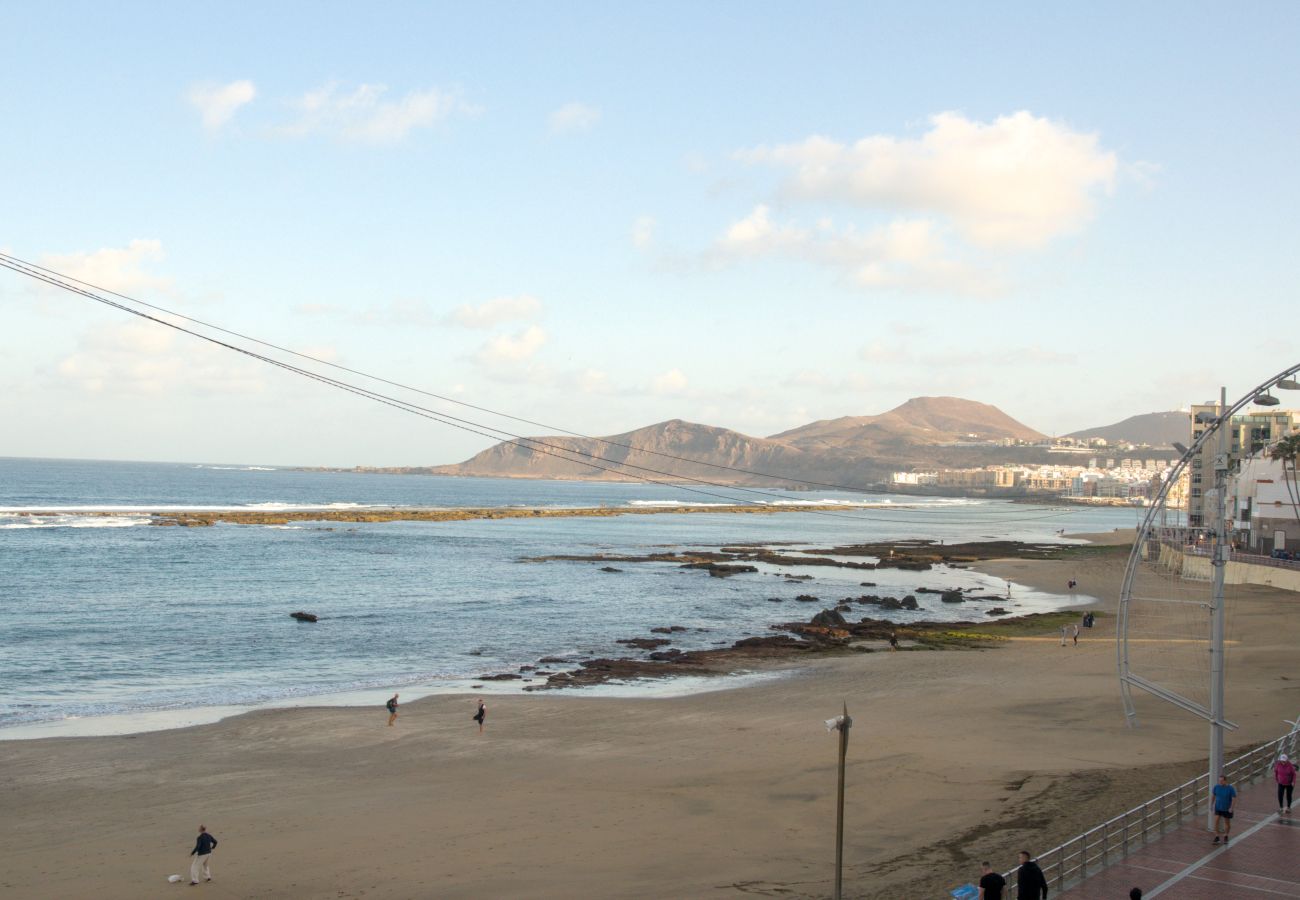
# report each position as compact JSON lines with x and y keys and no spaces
{"x":956,"y":757}
{"x":198,"y":517}
{"x":667,"y":672}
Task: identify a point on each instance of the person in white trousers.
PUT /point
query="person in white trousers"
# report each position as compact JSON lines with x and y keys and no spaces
{"x":202,"y":854}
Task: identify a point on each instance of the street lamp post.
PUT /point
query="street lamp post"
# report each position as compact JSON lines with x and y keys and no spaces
{"x":841,"y":723}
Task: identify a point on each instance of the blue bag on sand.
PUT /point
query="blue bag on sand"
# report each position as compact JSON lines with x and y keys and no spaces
{"x":966,"y":892}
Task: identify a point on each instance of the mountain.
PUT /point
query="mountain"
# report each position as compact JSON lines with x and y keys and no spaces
{"x":921,"y":420}
{"x":1157,"y":429}
{"x":562,"y":457}
{"x":854,"y":450}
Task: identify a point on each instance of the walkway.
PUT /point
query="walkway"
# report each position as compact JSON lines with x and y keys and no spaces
{"x":1263,"y":860}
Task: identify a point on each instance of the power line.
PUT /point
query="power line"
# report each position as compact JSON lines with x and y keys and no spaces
{"x":475,"y":428}
{"x":18,"y":265}
{"x":55,"y":279}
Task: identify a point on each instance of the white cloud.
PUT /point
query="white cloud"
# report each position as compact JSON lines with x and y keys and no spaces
{"x":881,"y":352}
{"x":670,"y":382}
{"x":520,"y":308}
{"x":218,"y":103}
{"x":573,"y":117}
{"x":510,"y":349}
{"x":364,"y":115}
{"x":112,"y":268}
{"x":593,"y":381}
{"x":902,"y":254}
{"x":643,"y":232}
{"x":143,"y":358}
{"x":1016,"y":182}
{"x":898,"y":354}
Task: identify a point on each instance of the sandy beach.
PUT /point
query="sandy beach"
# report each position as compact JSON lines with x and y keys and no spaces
{"x":956,"y":756}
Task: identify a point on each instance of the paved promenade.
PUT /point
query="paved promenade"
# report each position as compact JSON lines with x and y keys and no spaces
{"x":1262,"y":861}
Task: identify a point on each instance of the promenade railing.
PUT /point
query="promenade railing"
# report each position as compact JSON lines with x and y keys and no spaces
{"x":1113,"y":840}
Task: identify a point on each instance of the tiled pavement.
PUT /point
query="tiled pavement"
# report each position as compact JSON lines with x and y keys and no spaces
{"x":1262,"y":862}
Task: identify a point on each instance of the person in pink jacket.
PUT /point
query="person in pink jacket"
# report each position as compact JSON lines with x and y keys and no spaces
{"x":1284,"y":771}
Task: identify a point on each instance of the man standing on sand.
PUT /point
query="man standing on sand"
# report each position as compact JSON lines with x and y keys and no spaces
{"x":392,"y":710}
{"x":991,"y":883}
{"x":1031,"y":884}
{"x":480,"y":715}
{"x":202,"y":853}
{"x":1225,"y":798}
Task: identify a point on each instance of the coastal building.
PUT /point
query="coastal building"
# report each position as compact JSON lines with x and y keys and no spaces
{"x":1248,"y":434}
{"x":990,"y":477}
{"x":1264,"y":502}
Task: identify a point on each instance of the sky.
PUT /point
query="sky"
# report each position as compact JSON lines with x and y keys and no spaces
{"x":601,"y":216}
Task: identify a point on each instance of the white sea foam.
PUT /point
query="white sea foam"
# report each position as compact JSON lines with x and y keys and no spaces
{"x":669,"y":504}
{"x":74,"y":522}
{"x":237,"y":468}
{"x":144,"y":509}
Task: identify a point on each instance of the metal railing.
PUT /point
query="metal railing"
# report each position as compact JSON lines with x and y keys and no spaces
{"x":1111,"y":841}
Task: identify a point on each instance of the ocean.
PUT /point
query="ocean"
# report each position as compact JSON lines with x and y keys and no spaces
{"x":110,"y":624}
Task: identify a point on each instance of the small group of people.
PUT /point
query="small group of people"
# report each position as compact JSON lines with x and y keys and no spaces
{"x":1031,"y":883}
{"x":480,"y":715}
{"x":1070,"y":632}
{"x":1225,"y":797}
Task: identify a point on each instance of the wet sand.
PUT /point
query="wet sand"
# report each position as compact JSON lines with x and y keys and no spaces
{"x":955,"y":756}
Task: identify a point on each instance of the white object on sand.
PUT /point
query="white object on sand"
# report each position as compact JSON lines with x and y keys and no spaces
{"x":173,"y":878}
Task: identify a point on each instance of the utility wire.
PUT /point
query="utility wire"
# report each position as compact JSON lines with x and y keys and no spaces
{"x":18,"y":265}
{"x":53,"y":278}
{"x":472,"y":427}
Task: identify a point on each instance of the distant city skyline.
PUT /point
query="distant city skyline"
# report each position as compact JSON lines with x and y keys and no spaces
{"x":605,"y":217}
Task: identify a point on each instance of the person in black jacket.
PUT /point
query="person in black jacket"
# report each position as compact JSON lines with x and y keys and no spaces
{"x":1030,"y":882}
{"x":202,"y":853}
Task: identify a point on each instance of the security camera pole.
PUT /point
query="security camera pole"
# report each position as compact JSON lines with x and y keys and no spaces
{"x":842,"y":724}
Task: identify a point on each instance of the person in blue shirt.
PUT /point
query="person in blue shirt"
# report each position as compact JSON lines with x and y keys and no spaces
{"x":1225,"y":797}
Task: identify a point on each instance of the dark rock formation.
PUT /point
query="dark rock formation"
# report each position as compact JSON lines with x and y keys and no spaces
{"x":644,"y":643}
{"x":720,"y":570}
{"x":829,"y":618}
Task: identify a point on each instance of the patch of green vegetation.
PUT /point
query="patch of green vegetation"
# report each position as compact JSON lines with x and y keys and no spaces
{"x":1036,"y":624}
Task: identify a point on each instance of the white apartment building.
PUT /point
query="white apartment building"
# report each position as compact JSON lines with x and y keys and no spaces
{"x":1264,"y":502}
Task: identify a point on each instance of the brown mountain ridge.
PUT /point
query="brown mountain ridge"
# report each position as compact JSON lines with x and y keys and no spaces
{"x":857,"y":451}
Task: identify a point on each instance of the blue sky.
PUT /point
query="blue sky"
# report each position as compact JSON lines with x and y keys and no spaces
{"x":604,"y":215}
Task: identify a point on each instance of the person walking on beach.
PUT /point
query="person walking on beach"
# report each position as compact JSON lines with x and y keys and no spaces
{"x":991,"y":883}
{"x":481,"y":715}
{"x":202,"y":854}
{"x":1064,"y":629}
{"x":1225,"y":798}
{"x":1031,"y":884}
{"x":893,"y":640}
{"x":1074,"y":630}
{"x":1284,"y":773}
{"x":392,"y":710}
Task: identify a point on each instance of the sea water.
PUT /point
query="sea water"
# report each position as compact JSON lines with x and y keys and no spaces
{"x":104,"y":616}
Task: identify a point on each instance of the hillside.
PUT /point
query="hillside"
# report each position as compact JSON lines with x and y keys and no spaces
{"x":696,"y":445}
{"x":1157,"y":429}
{"x":857,"y":451}
{"x":921,"y":420}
